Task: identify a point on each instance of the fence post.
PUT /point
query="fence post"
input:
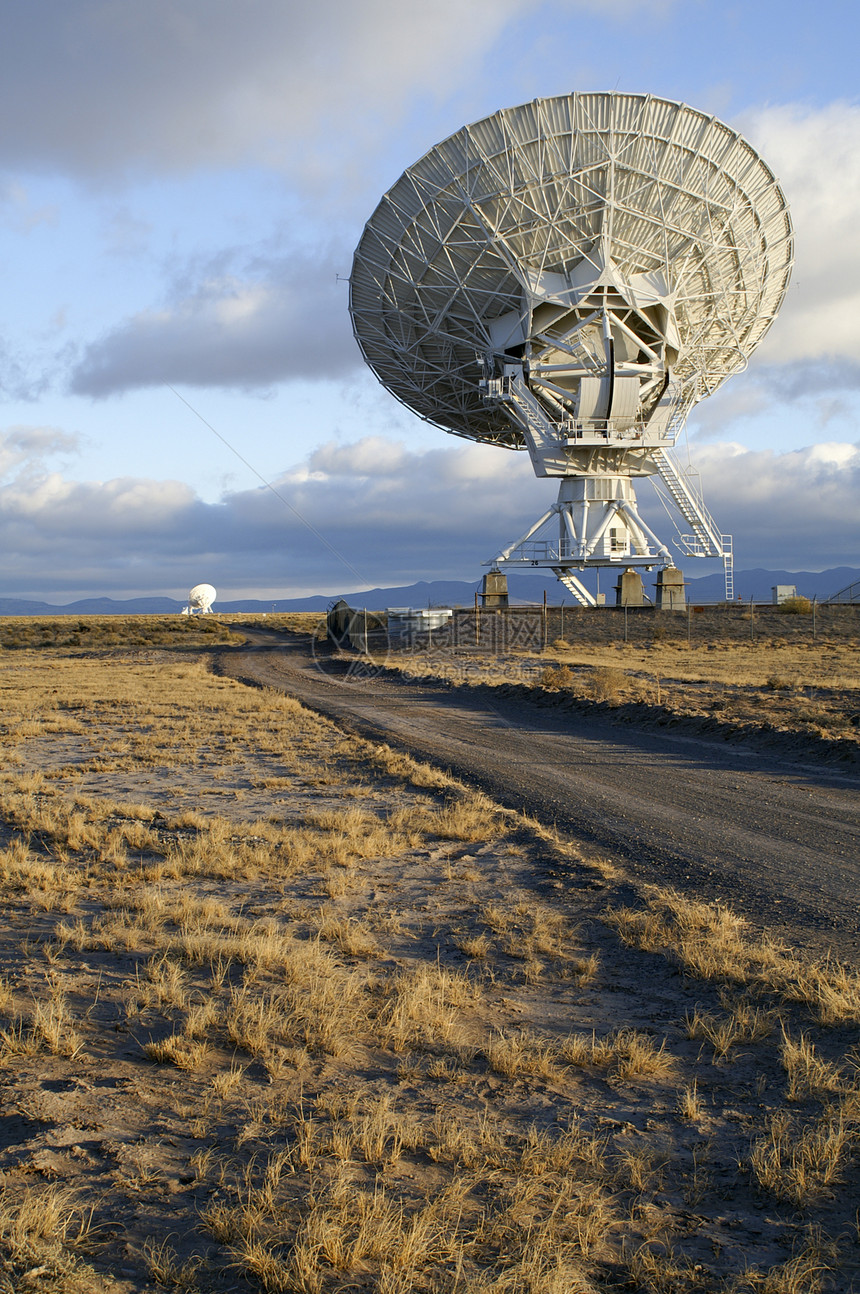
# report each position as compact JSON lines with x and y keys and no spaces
{"x":814,"y":602}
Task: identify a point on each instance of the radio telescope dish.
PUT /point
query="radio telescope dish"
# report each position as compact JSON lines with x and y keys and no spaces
{"x":571,"y":276}
{"x":200,"y":600}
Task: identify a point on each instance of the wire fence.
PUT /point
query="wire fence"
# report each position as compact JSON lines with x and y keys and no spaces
{"x":535,"y":629}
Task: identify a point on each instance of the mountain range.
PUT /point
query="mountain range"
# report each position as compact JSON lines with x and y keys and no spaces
{"x":754,"y":584}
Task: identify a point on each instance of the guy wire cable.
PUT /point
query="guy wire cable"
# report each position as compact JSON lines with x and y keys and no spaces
{"x":268,"y":484}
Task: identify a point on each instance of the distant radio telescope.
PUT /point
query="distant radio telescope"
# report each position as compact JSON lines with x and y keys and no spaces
{"x":571,"y":277}
{"x":200,"y":600}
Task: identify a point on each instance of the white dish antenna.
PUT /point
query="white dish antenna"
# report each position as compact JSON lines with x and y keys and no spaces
{"x":570,"y":277}
{"x":200,"y":600}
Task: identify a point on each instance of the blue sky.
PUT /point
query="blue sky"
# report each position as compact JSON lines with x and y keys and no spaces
{"x":182,"y":182}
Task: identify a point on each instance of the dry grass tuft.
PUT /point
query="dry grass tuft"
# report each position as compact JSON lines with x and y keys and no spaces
{"x":49,"y":1025}
{"x":744,"y":1023}
{"x":179,"y":1051}
{"x":690,"y":1105}
{"x":712,"y":943}
{"x":803,"y":1273}
{"x":626,"y":1053}
{"x":39,"y":1227}
{"x":806,"y":1073}
{"x":422,"y":1006}
{"x":796,"y":1161}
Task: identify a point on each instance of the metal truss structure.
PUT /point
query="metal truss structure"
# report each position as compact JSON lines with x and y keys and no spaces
{"x":570,"y":277}
{"x":850,"y":594}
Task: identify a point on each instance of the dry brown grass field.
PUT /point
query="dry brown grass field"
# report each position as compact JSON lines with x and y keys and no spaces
{"x":284,"y":1010}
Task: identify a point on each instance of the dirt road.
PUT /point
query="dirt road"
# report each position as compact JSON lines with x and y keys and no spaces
{"x":780,"y":842}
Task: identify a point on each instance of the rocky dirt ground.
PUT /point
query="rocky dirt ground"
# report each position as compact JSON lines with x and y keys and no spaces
{"x":285,"y":1010}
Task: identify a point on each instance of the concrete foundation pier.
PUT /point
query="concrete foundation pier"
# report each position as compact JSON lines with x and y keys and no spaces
{"x":494,"y":589}
{"x":630,"y":591}
{"x":670,"y":589}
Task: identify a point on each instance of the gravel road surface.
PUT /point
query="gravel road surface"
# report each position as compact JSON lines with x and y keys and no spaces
{"x":778,"y":841}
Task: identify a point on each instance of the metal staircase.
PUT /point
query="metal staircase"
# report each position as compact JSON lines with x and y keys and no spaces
{"x":524,"y":406}
{"x":707,"y":540}
{"x":574,"y":586}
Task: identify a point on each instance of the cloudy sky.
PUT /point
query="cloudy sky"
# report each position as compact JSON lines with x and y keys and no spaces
{"x":182,"y":185}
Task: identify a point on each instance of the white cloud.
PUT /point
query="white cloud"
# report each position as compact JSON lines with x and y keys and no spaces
{"x":812,"y":353}
{"x":815,"y":156}
{"x":289,"y":321}
{"x":307,"y":89}
{"x":396,"y":516}
{"x":371,"y":457}
{"x":175,"y":83}
{"x":834,"y":455}
{"x":126,"y":506}
{"x":27,"y":448}
{"x":796,"y":510}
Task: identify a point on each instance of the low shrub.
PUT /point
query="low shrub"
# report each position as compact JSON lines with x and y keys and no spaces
{"x":606,"y":682}
{"x":556,"y":676}
{"x":796,"y":607}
